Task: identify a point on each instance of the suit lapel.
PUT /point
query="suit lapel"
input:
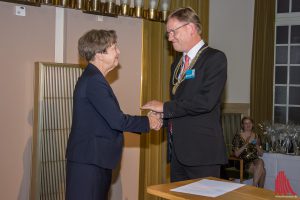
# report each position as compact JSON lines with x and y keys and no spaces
{"x":94,"y":69}
{"x":199,"y":64}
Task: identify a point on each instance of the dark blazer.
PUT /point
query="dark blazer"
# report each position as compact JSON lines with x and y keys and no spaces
{"x":98,"y":123}
{"x":194,"y":111}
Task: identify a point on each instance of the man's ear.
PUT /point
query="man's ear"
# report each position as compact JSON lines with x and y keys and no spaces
{"x":193,"y":28}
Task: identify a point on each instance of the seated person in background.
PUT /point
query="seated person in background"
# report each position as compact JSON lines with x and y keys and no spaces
{"x":246,"y":146}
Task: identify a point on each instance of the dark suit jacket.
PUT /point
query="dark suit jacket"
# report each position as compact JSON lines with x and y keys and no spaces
{"x":98,"y":123}
{"x":194,"y":111}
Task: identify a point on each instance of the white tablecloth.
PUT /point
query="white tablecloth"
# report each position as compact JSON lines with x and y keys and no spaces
{"x":275,"y":162}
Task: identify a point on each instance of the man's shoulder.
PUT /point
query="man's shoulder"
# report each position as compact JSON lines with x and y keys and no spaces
{"x":214,"y":51}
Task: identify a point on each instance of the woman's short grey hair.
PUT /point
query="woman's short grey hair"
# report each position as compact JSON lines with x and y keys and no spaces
{"x":95,"y":41}
{"x":187,"y":15}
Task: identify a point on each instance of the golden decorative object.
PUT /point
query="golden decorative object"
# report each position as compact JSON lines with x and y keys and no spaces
{"x":138,"y":12}
{"x":152,"y":13}
{"x":131,"y":12}
{"x":95,"y":5}
{"x":110,"y":7}
{"x":47,"y":2}
{"x":163,"y":15}
{"x":80,"y":4}
{"x":124,"y":9}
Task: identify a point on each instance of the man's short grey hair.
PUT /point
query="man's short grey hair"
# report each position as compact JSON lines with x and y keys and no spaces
{"x":187,"y":15}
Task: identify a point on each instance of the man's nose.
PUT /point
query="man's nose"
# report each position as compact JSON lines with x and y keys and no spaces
{"x":170,"y":37}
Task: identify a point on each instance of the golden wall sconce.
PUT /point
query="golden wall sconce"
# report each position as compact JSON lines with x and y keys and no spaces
{"x":109,"y":7}
{"x":152,"y":13}
{"x":164,"y":7}
{"x":124,"y":7}
{"x":139,"y":10}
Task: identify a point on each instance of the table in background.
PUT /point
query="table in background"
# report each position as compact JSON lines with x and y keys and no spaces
{"x":275,"y":162}
{"x":246,"y":192}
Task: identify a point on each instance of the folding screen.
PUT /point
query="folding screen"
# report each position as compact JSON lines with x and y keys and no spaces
{"x":54,"y":85}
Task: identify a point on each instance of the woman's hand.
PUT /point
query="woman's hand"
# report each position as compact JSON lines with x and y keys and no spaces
{"x":155,"y":120}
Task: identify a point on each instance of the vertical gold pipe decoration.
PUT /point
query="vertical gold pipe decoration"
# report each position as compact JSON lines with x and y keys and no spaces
{"x":124,"y":7}
{"x":72,"y":4}
{"x":163,"y":15}
{"x":56,"y":2}
{"x":131,"y":11}
{"x":80,"y":4}
{"x":95,"y":5}
{"x":138,"y":8}
{"x":164,"y":7}
{"x":110,"y":7}
{"x":46,"y":2}
{"x":152,"y":13}
{"x":138,"y":12}
{"x":87,"y":5}
{"x":117,"y":9}
{"x":102,"y":7}
{"x":64,"y":3}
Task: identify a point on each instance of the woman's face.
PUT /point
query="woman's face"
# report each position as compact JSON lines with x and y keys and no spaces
{"x":247,"y":124}
{"x":111,"y":57}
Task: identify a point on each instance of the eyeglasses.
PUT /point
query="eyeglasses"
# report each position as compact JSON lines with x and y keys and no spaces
{"x":173,"y":31}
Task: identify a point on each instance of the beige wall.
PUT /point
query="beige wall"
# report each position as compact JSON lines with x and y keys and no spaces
{"x":25,"y":40}
{"x":231,"y":30}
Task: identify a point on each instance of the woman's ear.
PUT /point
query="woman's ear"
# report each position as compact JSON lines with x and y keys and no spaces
{"x":99,"y":56}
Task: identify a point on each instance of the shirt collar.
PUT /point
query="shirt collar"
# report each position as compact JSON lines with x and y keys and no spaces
{"x":193,"y":51}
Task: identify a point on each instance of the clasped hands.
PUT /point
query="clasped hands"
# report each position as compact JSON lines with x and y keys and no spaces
{"x":155,"y":114}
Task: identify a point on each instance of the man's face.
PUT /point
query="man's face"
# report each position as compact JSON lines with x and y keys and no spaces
{"x":177,"y":33}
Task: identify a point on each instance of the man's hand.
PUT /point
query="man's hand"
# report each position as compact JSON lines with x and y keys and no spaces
{"x":154,"y":105}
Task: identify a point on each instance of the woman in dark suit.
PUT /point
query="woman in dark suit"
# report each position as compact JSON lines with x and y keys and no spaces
{"x":96,"y":139}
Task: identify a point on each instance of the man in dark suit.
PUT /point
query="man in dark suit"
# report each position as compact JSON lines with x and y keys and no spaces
{"x":197,"y":81}
{"x":96,"y":139}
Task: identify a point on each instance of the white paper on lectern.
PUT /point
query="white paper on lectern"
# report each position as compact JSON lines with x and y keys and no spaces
{"x":209,"y":188}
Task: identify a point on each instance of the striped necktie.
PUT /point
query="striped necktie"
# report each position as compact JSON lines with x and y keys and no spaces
{"x":186,"y":63}
{"x":185,"y":66}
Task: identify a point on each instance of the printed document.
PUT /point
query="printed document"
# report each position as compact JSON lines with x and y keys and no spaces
{"x":208,"y":188}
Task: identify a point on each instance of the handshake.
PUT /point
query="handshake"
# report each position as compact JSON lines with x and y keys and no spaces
{"x":155,"y":114}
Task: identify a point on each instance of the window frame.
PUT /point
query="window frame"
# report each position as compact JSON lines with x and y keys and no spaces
{"x":285,"y":19}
